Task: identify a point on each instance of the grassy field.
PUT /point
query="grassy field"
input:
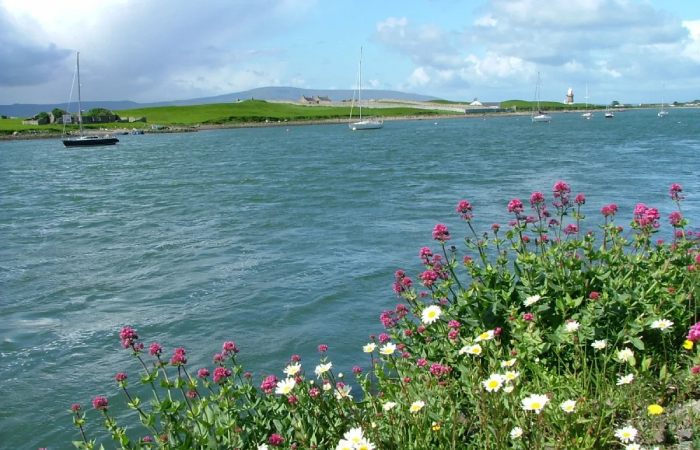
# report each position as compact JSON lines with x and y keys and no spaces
{"x":523,"y":105}
{"x":259,"y":111}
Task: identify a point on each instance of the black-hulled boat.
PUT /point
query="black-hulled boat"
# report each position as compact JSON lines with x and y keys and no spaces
{"x":86,"y":140}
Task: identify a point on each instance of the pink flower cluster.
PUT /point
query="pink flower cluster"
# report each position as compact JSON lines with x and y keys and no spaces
{"x":128,"y":336}
{"x":464,"y":208}
{"x":676,"y":219}
{"x":441,"y":233}
{"x":439,"y":370}
{"x":275,"y":440}
{"x":515,"y":206}
{"x":268,"y":384}
{"x":561,"y":191}
{"x":100,"y":403}
{"x":229,"y":348}
{"x":402,"y":283}
{"x":609,"y":210}
{"x":179,"y":358}
{"x":694,"y":333}
{"x":675,"y":192}
{"x":390,"y":318}
{"x":120,"y":377}
{"x":155,"y":349}
{"x":221,"y":374}
{"x":646,"y":217}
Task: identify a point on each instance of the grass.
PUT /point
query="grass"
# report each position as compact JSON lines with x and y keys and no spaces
{"x":260,"y":111}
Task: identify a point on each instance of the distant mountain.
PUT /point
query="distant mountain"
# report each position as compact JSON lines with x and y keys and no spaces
{"x":263,"y":93}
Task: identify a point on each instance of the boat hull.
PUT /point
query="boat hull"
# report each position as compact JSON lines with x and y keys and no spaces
{"x":542,"y":118}
{"x":90,"y":141}
{"x":366,"y":125}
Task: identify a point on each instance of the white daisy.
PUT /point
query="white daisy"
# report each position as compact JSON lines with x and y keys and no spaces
{"x":626,"y":434}
{"x":531,"y":300}
{"x":572,"y":326}
{"x":516,"y":432}
{"x":625,"y":355}
{"x":471,"y":349}
{"x":388,"y":349}
{"x":535,"y":402}
{"x":662,"y":324}
{"x":627,"y":379}
{"x":509,"y":363}
{"x":369,"y":348}
{"x":416,"y":406}
{"x":568,"y":406}
{"x":600,"y":344}
{"x":388,"y":406}
{"x":494,"y":382}
{"x":485,"y":336}
{"x":322,"y":368}
{"x":284,"y":387}
{"x":431,"y":314}
{"x":292,"y":369}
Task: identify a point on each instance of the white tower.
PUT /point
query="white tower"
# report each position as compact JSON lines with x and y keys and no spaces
{"x":570,"y":96}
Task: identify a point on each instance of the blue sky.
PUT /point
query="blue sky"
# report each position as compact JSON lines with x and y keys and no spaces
{"x":626,"y":50}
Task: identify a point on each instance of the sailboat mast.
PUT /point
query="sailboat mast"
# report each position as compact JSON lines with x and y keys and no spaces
{"x":80,"y":106}
{"x":359,"y":88}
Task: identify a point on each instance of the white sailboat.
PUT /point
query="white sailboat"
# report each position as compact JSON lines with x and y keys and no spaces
{"x":540,"y":116}
{"x":662,"y":112}
{"x":587,"y":114}
{"x":86,"y":140}
{"x":367,"y":123}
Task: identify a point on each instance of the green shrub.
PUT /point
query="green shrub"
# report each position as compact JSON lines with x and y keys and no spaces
{"x":537,"y":336}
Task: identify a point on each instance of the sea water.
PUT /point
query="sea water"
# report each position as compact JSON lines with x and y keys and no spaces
{"x":277,"y":238}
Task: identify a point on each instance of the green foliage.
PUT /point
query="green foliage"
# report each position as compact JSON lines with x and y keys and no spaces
{"x":534,"y":337}
{"x":260,"y":111}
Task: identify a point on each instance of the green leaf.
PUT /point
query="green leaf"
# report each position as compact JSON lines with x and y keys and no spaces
{"x":638,"y":344}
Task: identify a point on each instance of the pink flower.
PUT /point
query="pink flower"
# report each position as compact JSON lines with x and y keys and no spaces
{"x":439,"y":370}
{"x":571,"y":229}
{"x":594,"y":295}
{"x":220,"y":374}
{"x":203,"y":372}
{"x":560,"y":189}
{"x":528,"y":317}
{"x":314,"y":392}
{"x":120,"y":377}
{"x":178,"y":358}
{"x":269,"y":384}
{"x":453,"y":334}
{"x":676,"y":219}
{"x":464,"y":208}
{"x":155,"y":349}
{"x":694,"y":333}
{"x":536,"y":198}
{"x":440,"y":233}
{"x":645,"y":216}
{"x":147,"y":439}
{"x":230,"y":347}
{"x":695,"y":370}
{"x":495,"y":227}
{"x":191,"y":394}
{"x":580,"y":199}
{"x":422,"y":362}
{"x":428,"y":277}
{"x":384,"y":338}
{"x":425,"y":253}
{"x":609,"y":210}
{"x":275,"y":440}
{"x":454,"y":324}
{"x":675,"y":192}
{"x":295,"y":358}
{"x":515,"y":206}
{"x":100,"y":403}
{"x":75,"y":407}
{"x":356,"y":370}
{"x":322,"y":348}
{"x":128,"y":336}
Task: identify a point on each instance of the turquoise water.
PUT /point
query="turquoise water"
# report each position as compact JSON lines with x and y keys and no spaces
{"x":277,"y":238}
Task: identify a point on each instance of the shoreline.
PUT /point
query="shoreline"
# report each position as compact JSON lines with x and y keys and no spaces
{"x":209,"y":127}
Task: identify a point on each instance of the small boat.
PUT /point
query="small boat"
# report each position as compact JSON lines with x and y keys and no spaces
{"x":362,"y":124}
{"x":662,"y":112}
{"x":86,"y":140}
{"x":588,"y":114}
{"x":608,"y":113}
{"x":540,"y":116}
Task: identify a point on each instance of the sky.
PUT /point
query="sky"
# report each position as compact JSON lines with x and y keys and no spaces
{"x":630,"y":51}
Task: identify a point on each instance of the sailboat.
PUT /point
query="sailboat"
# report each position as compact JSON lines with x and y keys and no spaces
{"x":609,"y":113}
{"x":662,"y":112}
{"x":587,"y":114}
{"x":86,"y":140}
{"x":362,"y":124}
{"x":540,"y":116}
